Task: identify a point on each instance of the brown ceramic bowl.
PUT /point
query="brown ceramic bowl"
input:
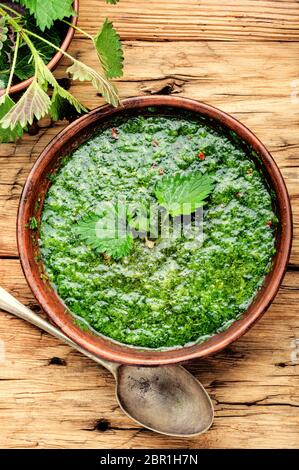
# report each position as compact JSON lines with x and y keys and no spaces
{"x":36,"y":187}
{"x":56,"y":58}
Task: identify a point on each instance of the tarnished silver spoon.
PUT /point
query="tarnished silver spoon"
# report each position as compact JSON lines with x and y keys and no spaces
{"x":166,"y":399}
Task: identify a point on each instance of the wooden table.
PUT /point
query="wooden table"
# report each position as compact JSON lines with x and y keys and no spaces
{"x":243,"y":57}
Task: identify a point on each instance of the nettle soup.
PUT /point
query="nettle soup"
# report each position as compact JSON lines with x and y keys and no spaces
{"x":158,"y":231}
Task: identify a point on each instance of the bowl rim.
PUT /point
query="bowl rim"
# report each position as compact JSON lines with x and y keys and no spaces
{"x":56,"y":57}
{"x":50,"y":301}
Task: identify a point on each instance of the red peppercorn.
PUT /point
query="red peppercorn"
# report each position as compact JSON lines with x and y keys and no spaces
{"x":201,"y":156}
{"x":114,"y":133}
{"x":269,"y":223}
{"x":161,"y":171}
{"x":155,"y":143}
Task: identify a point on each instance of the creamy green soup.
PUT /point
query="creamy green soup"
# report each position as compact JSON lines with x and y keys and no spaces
{"x":164,"y":292}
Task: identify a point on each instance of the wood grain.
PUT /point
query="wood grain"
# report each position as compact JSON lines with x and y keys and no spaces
{"x":233,"y":55}
{"x":160,"y":20}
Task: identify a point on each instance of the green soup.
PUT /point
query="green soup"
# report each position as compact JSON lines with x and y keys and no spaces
{"x":181,"y":290}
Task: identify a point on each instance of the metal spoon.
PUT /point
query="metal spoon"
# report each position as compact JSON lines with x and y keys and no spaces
{"x":167,"y":400}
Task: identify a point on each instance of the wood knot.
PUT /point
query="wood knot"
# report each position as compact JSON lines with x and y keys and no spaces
{"x":166,"y":86}
{"x":57,"y":361}
{"x":102,"y":425}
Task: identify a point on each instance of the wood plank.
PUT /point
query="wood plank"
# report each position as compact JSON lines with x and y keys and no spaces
{"x":253,"y":384}
{"x":205,"y":19}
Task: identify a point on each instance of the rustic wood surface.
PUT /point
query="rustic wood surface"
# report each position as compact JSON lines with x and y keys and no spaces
{"x":241,"y":56}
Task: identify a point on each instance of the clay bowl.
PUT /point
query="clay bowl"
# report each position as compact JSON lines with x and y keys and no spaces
{"x":35,"y":189}
{"x":56,"y":58}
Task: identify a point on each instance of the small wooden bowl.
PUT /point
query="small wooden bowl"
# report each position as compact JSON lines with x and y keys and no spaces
{"x":55,"y":59}
{"x":31,"y":204}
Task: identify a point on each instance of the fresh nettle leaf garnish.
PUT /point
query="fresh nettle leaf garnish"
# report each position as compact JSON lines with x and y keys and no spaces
{"x":183,"y":194}
{"x":113,"y":229}
{"x":28,"y":40}
{"x":107,"y":232}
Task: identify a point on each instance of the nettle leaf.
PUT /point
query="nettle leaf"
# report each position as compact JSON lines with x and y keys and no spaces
{"x":45,"y":76}
{"x":46,"y":12}
{"x":8,"y":135}
{"x":82,"y":72}
{"x":34,"y":103}
{"x":6,"y":55}
{"x":106,"y":232}
{"x":3,"y":31}
{"x":64,"y":105}
{"x":112,"y":2}
{"x":109,"y":49}
{"x":183,"y":194}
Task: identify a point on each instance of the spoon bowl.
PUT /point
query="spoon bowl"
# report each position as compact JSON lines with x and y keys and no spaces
{"x":166,"y":399}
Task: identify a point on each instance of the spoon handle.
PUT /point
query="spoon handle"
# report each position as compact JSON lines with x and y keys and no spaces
{"x":11,"y":305}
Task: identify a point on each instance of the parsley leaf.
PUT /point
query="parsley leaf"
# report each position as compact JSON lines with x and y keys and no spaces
{"x":109,"y":49}
{"x":7,"y":135}
{"x":46,"y":12}
{"x":106,"y":232}
{"x":183,"y":194}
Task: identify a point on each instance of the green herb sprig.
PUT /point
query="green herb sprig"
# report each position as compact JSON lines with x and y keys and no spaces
{"x":30,"y":46}
{"x":107,"y":232}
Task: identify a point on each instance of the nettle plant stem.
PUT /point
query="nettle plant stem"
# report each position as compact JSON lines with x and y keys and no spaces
{"x":37,"y":36}
{"x":6,"y":7}
{"x":35,"y":101}
{"x":13,"y":65}
{"x":78,"y":29}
